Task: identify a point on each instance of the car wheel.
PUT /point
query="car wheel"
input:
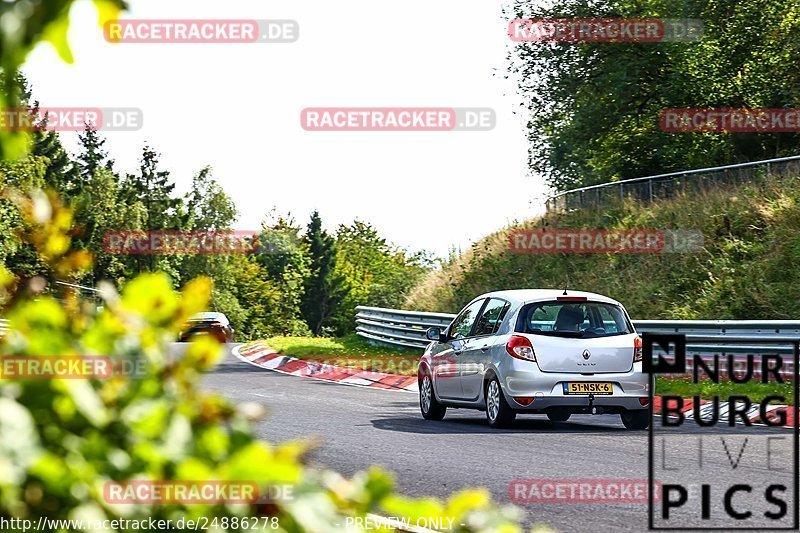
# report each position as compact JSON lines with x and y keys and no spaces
{"x":428,"y":404}
{"x":498,"y":413}
{"x":558,"y":415}
{"x":638,"y":419}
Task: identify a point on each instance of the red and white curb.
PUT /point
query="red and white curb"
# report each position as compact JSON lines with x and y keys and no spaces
{"x":706,"y":410}
{"x":262,"y":356}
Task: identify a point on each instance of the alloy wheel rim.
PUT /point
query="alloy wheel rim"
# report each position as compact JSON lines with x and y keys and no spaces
{"x":426,"y":393}
{"x":493,"y":400}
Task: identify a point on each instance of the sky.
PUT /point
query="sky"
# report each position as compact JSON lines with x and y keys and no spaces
{"x":237,"y":107}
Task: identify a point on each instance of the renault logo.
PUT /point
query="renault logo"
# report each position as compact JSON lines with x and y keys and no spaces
{"x":586,"y":354}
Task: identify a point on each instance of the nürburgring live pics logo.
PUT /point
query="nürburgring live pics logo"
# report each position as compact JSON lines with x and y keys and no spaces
{"x":723,"y":465}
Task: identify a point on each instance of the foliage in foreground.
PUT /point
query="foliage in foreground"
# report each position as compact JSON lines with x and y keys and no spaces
{"x":61,"y":440}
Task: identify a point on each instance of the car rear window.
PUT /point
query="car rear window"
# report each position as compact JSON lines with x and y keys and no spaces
{"x":573,"y":319}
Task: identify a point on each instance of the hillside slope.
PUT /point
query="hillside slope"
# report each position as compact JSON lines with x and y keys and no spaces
{"x":748,"y":267}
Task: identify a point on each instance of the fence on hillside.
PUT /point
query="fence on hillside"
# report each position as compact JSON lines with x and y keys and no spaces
{"x":660,"y":186}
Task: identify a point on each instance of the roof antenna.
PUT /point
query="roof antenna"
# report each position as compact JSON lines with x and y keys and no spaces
{"x":565,"y":291}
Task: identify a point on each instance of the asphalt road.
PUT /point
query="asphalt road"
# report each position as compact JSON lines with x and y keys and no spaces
{"x":357,"y":427}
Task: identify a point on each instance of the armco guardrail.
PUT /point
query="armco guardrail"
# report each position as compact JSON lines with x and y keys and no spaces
{"x":3,"y":327}
{"x":721,"y":329}
{"x":407,"y":328}
{"x":396,"y":326}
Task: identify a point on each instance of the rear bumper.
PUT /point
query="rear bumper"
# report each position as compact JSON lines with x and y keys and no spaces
{"x":580,"y":404}
{"x":220,"y":334}
{"x":524,"y":379}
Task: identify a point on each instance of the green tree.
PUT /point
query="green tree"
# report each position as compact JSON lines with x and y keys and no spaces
{"x":254,"y":302}
{"x":93,"y":154}
{"x":208,"y":207}
{"x":593,"y":108}
{"x":153,"y":188}
{"x":101,"y":208}
{"x":324,"y":288}
{"x":283,"y":257}
{"x":61,"y":173}
{"x":374,"y":272}
{"x":22,"y":174}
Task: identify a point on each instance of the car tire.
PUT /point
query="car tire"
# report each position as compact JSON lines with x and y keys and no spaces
{"x":498,"y":413}
{"x":638,"y":419}
{"x":558,"y":415}
{"x":429,"y":406}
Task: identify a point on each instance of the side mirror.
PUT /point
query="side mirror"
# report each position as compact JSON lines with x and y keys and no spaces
{"x":435,"y":334}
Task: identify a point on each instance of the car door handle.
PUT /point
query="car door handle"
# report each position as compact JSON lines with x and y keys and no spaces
{"x":485,"y":348}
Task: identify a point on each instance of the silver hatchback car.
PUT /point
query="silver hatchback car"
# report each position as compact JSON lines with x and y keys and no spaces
{"x":536,"y":351}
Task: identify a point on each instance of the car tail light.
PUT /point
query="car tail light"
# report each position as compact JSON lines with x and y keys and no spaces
{"x":521,"y":348}
{"x":572,"y":299}
{"x":644,"y":401}
{"x":637,"y":349}
{"x":524,"y":400}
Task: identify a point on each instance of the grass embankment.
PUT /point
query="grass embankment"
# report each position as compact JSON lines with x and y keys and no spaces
{"x":747,"y":268}
{"x":350,"y":351}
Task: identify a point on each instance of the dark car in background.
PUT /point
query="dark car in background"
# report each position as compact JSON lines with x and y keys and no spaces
{"x":214,"y":324}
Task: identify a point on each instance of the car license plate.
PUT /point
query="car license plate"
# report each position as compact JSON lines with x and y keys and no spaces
{"x":573,"y":387}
